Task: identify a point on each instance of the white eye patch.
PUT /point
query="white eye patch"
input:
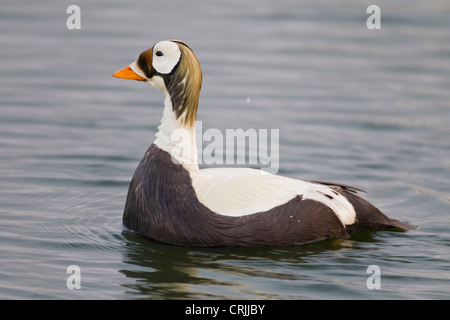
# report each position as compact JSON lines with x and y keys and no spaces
{"x":166,"y":55}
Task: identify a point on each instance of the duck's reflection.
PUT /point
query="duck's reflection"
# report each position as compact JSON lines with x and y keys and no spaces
{"x":161,"y":271}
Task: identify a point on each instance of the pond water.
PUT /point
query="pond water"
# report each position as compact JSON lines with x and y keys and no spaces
{"x":367,"y":108}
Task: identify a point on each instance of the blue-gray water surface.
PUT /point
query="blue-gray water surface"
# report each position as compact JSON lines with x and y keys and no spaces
{"x":367,"y":108}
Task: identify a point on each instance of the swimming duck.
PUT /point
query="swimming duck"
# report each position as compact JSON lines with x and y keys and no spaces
{"x":173,"y":201}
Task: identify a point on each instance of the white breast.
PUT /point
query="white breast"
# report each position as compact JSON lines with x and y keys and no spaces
{"x":244,"y":191}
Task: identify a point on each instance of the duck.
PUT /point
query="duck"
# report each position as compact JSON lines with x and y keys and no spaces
{"x":171,"y":200}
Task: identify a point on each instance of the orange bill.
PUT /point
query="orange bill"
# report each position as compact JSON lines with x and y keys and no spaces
{"x":128,"y":73}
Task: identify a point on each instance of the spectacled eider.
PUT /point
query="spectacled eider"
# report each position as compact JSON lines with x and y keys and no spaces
{"x":171,"y":200}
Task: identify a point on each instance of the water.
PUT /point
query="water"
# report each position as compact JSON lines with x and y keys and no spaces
{"x":364,"y":108}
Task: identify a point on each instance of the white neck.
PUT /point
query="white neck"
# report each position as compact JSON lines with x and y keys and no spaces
{"x":176,"y":138}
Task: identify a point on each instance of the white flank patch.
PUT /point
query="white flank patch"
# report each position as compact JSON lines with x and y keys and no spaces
{"x":244,"y":191}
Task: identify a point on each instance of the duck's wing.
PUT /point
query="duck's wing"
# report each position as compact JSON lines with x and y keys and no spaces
{"x":242,"y":191}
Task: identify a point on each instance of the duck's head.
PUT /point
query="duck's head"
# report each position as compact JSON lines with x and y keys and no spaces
{"x":171,"y":67}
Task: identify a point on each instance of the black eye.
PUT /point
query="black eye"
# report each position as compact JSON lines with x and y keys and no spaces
{"x":159,"y":53}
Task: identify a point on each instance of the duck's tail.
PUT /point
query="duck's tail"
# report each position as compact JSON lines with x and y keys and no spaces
{"x":369,"y":217}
